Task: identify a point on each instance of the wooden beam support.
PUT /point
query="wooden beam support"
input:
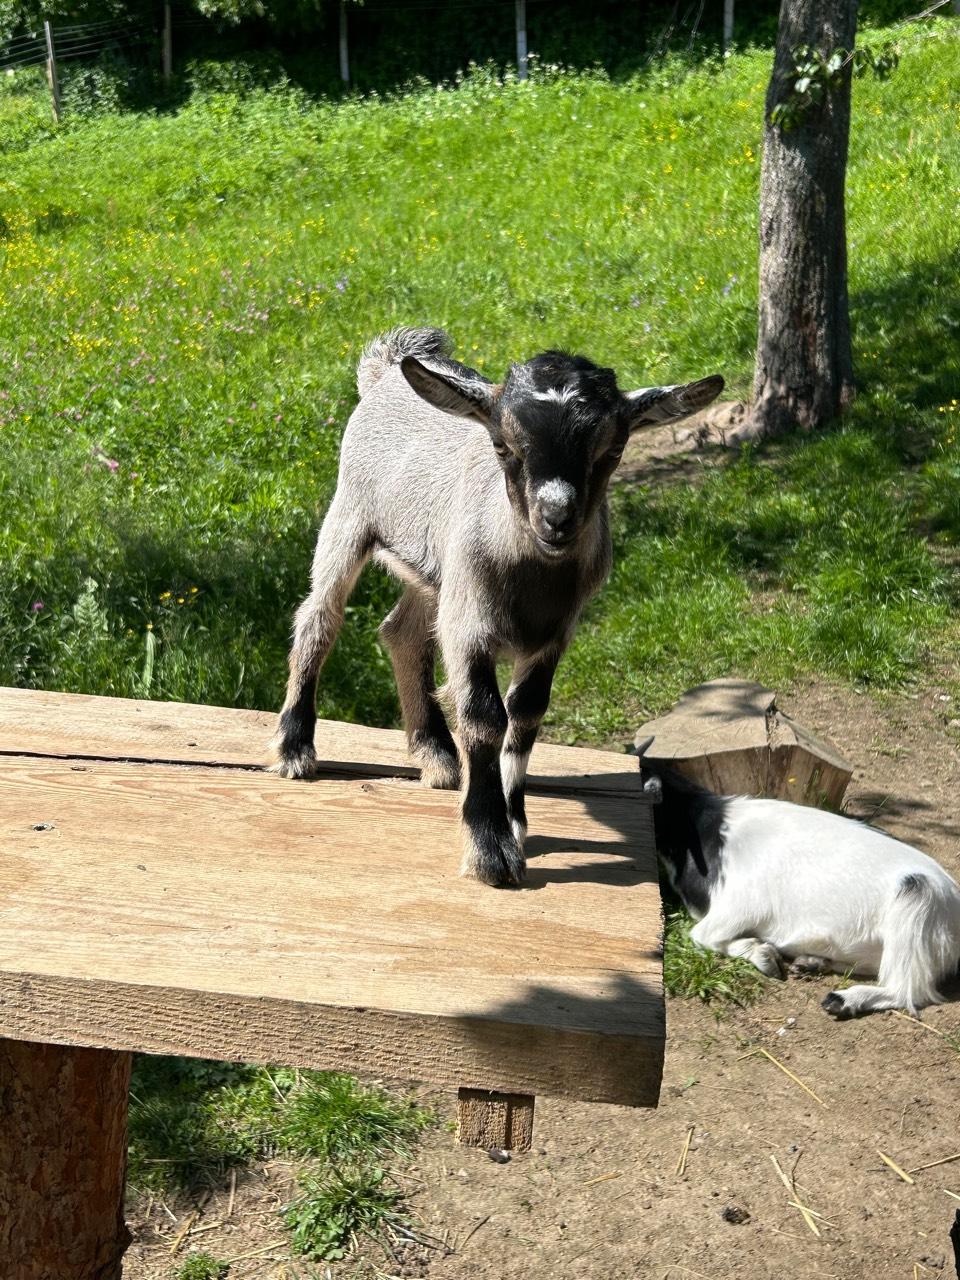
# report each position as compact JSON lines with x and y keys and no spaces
{"x":63,"y":1157}
{"x":503,"y":1121}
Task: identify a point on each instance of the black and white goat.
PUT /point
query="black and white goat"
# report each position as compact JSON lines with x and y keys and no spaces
{"x":774,"y":882}
{"x":489,"y":502}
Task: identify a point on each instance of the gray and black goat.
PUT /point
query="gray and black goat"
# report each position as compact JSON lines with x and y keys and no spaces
{"x":498,"y":527}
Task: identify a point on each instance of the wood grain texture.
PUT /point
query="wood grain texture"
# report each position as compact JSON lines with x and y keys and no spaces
{"x":730,"y":736}
{"x":230,"y":914}
{"x":63,"y":1156}
{"x":79,"y":725}
{"x":503,"y":1121}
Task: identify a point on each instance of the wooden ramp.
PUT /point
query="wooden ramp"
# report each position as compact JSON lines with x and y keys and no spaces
{"x":160,"y":892}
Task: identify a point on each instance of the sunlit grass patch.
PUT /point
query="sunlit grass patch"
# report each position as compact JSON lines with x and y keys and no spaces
{"x":177,"y":359}
{"x":693,"y":973}
{"x":191,"y":1121}
{"x":341,"y":1208}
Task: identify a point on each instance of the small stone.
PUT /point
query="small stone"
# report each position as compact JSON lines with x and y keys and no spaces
{"x":734,"y":1214}
{"x":498,"y":1155}
{"x":43,"y":826}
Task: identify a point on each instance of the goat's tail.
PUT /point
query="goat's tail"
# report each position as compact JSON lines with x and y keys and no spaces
{"x":390,"y":348}
{"x":921,"y":941}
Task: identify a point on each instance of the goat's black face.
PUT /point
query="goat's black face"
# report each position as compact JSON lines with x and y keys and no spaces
{"x":559,"y":429}
{"x":559,"y":426}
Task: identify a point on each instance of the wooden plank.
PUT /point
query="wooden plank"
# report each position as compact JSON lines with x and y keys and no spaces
{"x":502,"y":1121}
{"x":229,"y":914}
{"x":79,"y":725}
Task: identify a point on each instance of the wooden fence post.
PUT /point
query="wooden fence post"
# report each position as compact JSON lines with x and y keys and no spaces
{"x":167,"y":43}
{"x":344,"y":51}
{"x":521,"y":39}
{"x":63,"y":1159}
{"x":727,"y":24}
{"x":52,"y":79}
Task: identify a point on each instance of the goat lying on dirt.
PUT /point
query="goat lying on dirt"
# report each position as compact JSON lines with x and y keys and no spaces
{"x":771,"y":881}
{"x":489,"y":503}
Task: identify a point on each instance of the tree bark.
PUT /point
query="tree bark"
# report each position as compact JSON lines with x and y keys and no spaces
{"x":804,"y":365}
{"x":63,"y":1157}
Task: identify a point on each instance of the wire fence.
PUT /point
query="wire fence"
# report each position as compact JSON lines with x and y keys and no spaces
{"x":74,"y":40}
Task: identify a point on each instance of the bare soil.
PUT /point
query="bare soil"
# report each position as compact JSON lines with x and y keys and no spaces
{"x":602,"y":1196}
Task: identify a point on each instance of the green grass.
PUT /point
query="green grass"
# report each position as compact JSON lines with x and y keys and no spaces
{"x":177,"y":353}
{"x":191,"y":1121}
{"x":339,"y":1207}
{"x":201,"y":1266}
{"x":691,"y":973}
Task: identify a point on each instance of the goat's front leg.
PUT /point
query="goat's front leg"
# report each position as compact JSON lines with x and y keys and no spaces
{"x":527,"y":700}
{"x":716,"y":934}
{"x":491,"y":851}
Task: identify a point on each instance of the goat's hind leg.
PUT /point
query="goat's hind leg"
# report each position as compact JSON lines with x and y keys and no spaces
{"x":855,"y":1001}
{"x":409,"y":634}
{"x":343,"y":546}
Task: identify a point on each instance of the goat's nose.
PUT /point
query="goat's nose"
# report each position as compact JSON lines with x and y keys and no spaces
{"x":558,"y":516}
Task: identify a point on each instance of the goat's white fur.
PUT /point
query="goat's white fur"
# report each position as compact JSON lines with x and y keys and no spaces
{"x":558,"y":491}
{"x":809,"y":885}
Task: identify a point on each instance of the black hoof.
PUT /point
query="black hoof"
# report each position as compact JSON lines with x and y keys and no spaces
{"x":494,"y":859}
{"x":835,"y":1004}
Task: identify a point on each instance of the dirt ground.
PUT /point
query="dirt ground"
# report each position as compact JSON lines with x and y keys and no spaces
{"x":600,"y":1196}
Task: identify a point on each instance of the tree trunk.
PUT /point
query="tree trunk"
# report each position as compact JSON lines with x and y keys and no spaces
{"x":804,"y":367}
{"x":63,"y":1157}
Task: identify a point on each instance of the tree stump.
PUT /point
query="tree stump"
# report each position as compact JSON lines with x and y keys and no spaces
{"x":63,"y":1157}
{"x":730,"y":736}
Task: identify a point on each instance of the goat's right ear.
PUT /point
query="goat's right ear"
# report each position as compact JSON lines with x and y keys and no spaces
{"x":454,"y":392}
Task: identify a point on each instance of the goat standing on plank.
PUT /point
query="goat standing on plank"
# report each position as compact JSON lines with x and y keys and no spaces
{"x":498,"y":526}
{"x":771,"y":881}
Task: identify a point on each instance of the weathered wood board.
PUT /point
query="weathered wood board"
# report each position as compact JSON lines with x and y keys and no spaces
{"x":84,"y":726}
{"x":223,"y":912}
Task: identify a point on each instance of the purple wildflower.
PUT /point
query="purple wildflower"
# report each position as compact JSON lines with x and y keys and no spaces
{"x":36,"y":606}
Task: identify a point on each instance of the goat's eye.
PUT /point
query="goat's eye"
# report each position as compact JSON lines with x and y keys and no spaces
{"x":503,"y":451}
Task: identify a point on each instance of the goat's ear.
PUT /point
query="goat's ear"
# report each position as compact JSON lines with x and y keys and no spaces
{"x":652,"y":405}
{"x":465,"y":394}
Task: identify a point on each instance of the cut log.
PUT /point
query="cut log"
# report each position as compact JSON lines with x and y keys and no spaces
{"x":63,"y":1156}
{"x":731,"y":737}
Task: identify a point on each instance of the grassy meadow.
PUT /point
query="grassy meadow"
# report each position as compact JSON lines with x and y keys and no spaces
{"x":183,"y":297}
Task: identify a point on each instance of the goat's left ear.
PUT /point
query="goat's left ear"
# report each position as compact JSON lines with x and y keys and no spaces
{"x":653,"y":405}
{"x":463,"y":393}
